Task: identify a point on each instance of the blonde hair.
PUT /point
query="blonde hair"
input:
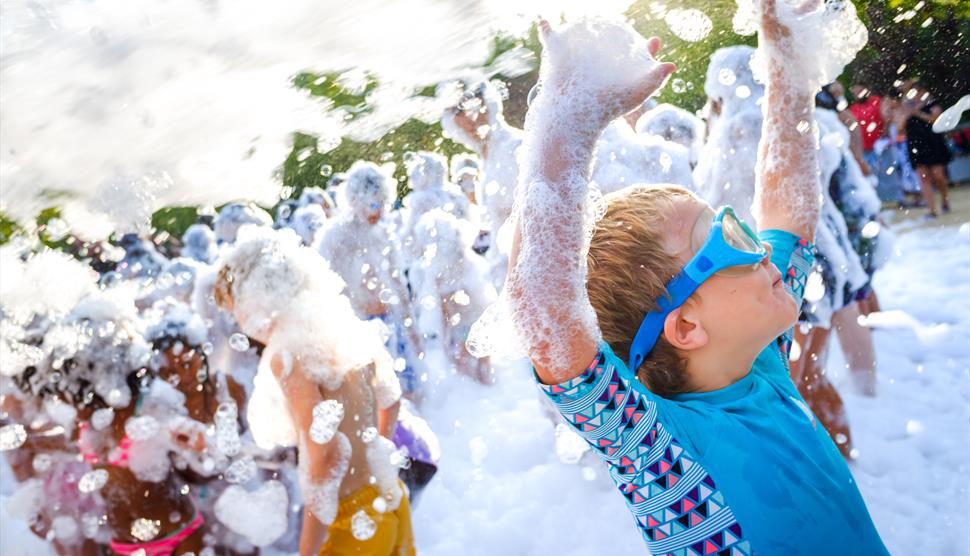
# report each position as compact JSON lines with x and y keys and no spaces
{"x":629,"y":268}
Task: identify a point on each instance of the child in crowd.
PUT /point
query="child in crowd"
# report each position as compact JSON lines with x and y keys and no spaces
{"x":666,"y":345}
{"x":341,"y":395}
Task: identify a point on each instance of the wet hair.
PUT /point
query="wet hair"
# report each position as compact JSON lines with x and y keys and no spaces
{"x":629,"y":268}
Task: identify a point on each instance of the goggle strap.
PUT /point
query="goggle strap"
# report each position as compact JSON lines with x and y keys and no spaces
{"x":678,"y":290}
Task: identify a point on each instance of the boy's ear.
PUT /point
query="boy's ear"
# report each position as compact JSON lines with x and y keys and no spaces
{"x":684,"y":331}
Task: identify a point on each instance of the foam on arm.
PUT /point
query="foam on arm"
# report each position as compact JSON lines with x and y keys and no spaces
{"x":800,"y":49}
{"x":787,"y":189}
{"x":592,"y":72}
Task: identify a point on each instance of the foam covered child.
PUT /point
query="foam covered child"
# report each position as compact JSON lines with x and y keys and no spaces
{"x":661,"y":330}
{"x":325,"y":385}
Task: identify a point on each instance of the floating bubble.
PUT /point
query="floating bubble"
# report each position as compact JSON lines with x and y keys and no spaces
{"x":362,"y":526}
{"x":239,"y":342}
{"x":42,"y":463}
{"x":327,"y":416}
{"x":742,"y":91}
{"x":913,"y":427}
{"x":368,"y":435}
{"x":12,"y":437}
{"x":726,"y":77}
{"x":690,"y":25}
{"x":462,"y":298}
{"x":92,"y":480}
{"x":145,"y":529}
{"x":380,"y":505}
{"x":803,"y":126}
{"x":400,"y":458}
{"x":871,"y":229}
{"x":678,"y":85}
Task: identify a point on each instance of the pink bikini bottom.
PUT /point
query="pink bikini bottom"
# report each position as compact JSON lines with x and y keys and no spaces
{"x":162,"y":547}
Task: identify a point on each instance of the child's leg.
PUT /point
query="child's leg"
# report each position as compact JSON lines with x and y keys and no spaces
{"x":808,"y":374}
{"x":856,"y":341}
{"x":942,"y":184}
{"x":926,"y":186}
{"x":870,"y":304}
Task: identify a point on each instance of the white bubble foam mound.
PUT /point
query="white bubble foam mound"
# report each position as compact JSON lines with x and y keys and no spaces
{"x":12,"y":437}
{"x":362,"y":527}
{"x":259,"y":515}
{"x":327,"y":416}
{"x":825,"y":37}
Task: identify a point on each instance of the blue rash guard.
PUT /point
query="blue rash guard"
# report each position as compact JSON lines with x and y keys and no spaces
{"x":745,"y":469}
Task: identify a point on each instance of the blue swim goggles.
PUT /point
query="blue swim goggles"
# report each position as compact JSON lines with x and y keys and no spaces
{"x":730,"y":248}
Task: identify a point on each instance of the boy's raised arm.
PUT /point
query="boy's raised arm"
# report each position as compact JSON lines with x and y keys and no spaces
{"x":591,"y":74}
{"x":787,"y":190}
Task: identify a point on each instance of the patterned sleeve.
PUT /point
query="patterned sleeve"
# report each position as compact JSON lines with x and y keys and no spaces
{"x":677,"y":506}
{"x":794,"y":257}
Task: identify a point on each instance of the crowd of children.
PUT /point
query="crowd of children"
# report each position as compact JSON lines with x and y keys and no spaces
{"x":257,"y":384}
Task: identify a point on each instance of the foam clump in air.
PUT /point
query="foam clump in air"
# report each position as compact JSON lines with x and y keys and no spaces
{"x":12,"y":437}
{"x":259,"y":515}
{"x":825,"y":35}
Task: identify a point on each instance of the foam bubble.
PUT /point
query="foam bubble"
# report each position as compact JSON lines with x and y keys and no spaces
{"x":92,"y":480}
{"x":327,"y":416}
{"x":12,"y":437}
{"x":362,"y":527}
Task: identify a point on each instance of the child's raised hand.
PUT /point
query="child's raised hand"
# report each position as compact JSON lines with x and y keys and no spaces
{"x":602,"y":68}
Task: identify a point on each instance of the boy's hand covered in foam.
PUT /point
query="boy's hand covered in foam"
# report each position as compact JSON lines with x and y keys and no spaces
{"x":607,"y":82}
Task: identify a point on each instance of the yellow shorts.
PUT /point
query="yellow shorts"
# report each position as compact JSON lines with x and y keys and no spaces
{"x":393,"y":536}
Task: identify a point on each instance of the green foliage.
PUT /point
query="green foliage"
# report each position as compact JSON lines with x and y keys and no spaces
{"x":686,"y":89}
{"x":306,"y":166}
{"x":174,"y":220}
{"x":928,"y":40}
